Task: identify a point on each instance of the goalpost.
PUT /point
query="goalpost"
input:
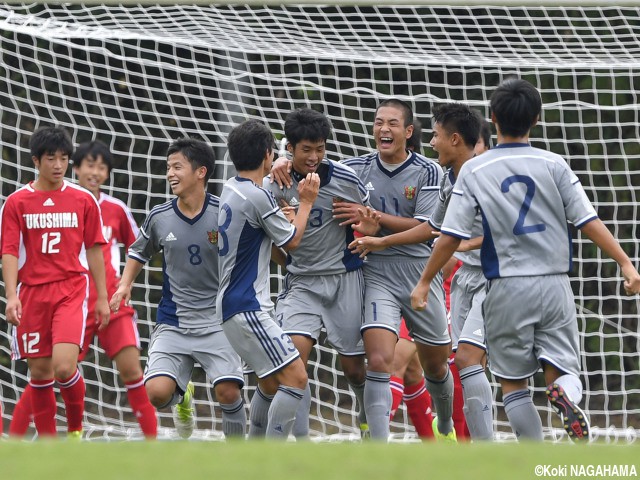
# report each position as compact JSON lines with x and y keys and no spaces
{"x":137,"y":77}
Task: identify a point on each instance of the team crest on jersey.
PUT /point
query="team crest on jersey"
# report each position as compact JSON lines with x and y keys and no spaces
{"x":409,"y":192}
{"x":213,"y":237}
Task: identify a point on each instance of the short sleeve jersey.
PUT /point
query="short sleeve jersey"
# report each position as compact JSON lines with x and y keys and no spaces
{"x":250,"y":221}
{"x":471,"y":257}
{"x":409,"y":191}
{"x":49,"y":232}
{"x":189,"y":262}
{"x":526,"y":197}
{"x":323,"y":249}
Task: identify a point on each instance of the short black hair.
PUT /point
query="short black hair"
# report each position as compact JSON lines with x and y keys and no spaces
{"x":198,"y":153}
{"x":49,"y":140}
{"x":94,"y":150}
{"x":407,"y":111}
{"x":516,"y":105}
{"x":248,"y":143}
{"x":485,"y":130}
{"x":306,"y":124}
{"x":414,"y":142}
{"x":458,"y":118}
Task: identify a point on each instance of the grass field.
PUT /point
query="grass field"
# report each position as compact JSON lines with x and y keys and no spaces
{"x":271,"y":461}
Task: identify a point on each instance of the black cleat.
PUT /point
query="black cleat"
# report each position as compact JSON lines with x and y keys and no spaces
{"x":574,"y":420}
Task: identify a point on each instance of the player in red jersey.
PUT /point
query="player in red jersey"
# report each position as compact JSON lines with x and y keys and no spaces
{"x":51,"y":232}
{"x":92,"y":163}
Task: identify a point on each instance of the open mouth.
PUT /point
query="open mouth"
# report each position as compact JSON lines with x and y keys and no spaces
{"x":386,"y":141}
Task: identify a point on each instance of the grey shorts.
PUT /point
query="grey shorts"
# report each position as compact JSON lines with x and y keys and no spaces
{"x":173,"y":353}
{"x":260,"y":341}
{"x":468,"y":290}
{"x":528,"y":321}
{"x":334,"y":301}
{"x":387,"y":298}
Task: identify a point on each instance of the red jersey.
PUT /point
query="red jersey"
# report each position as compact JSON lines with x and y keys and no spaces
{"x":118,"y":227}
{"x":49,"y":231}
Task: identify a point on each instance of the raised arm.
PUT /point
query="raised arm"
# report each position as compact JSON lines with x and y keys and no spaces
{"x":602,"y":237}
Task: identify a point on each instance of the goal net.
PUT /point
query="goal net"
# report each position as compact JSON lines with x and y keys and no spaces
{"x":137,"y":77}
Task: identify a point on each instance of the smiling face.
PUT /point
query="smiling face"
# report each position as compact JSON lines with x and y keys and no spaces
{"x":92,"y":173}
{"x":441,"y":142}
{"x":391,"y":134}
{"x":182,"y":177}
{"x":307,"y":155}
{"x":51,"y":169}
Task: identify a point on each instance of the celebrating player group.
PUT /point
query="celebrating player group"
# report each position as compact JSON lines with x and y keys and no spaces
{"x":366,"y":244}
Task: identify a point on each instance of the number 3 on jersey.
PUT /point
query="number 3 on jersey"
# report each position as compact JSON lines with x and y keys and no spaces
{"x":520,"y":228}
{"x":222,"y":231}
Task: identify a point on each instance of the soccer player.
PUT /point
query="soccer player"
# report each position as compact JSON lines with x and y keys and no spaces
{"x":188,"y":327}
{"x":484,"y":140}
{"x":92,"y":163}
{"x":324,"y":285}
{"x":404,"y":190}
{"x":456,"y":130}
{"x":51,"y":232}
{"x":250,"y":222}
{"x":527,"y":197}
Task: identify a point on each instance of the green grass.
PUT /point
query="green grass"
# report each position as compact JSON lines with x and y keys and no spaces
{"x":307,"y":461}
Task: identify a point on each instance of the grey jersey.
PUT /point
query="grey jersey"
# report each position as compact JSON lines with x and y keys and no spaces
{"x":323,"y":249}
{"x":250,"y":221}
{"x":409,"y":191}
{"x":526,"y":196}
{"x":471,"y":257}
{"x":189,"y":263}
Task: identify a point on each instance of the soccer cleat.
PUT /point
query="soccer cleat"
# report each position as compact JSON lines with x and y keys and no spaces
{"x":75,"y":436}
{"x":183,"y":413}
{"x":440,"y":437}
{"x":365,"y":434}
{"x":574,"y":420}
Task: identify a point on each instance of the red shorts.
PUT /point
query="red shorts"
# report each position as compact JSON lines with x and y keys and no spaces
{"x":121,"y":332}
{"x":51,"y":313}
{"x":404,"y":331}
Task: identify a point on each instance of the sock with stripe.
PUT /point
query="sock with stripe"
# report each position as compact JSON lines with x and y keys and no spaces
{"x":477,"y":402}
{"x":259,"y":413}
{"x":234,"y":419}
{"x":397,"y":390}
{"x":459,"y":421}
{"x":377,"y":402}
{"x":358,"y":391}
{"x":43,"y":406}
{"x":22,"y":414}
{"x":300,"y":428}
{"x":72,"y":390}
{"x":142,"y":408}
{"x":283,"y":411}
{"x":441,"y":392}
{"x":418,"y":402}
{"x":523,"y":417}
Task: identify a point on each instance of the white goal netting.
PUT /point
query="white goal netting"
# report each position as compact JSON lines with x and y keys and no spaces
{"x":137,"y":77}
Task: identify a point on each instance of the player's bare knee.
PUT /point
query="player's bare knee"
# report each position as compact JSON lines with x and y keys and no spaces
{"x":65,"y":369}
{"x":293,"y":375}
{"x":379,"y":362}
{"x":468,"y":356}
{"x":354,"y":369}
{"x":435,"y":369}
{"x":158,"y":393}
{"x":227,"y":392}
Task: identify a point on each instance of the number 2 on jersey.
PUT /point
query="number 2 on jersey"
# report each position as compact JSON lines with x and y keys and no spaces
{"x":49,"y":242}
{"x":520,"y":228}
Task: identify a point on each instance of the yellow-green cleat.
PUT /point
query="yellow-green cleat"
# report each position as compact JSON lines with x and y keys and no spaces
{"x":75,"y":436}
{"x":365,"y":434}
{"x":440,"y":437}
{"x":183,"y":418}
